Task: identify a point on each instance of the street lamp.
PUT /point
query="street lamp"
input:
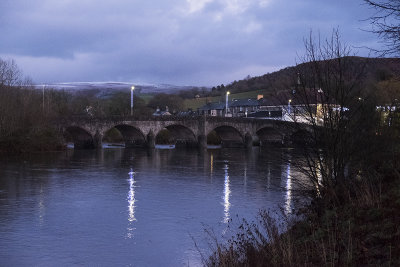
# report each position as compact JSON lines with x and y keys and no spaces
{"x":290,"y":101}
{"x":132,"y":88}
{"x":43,"y":98}
{"x":226,"y":110}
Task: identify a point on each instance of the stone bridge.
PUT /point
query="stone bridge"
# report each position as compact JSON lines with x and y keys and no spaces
{"x":234,"y":132}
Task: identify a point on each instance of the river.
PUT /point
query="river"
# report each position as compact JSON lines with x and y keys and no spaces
{"x":123,"y":207}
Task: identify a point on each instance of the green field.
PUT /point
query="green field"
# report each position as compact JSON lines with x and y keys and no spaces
{"x":146,"y":97}
{"x":194,"y":104}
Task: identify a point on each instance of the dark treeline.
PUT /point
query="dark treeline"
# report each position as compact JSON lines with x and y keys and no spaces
{"x":23,"y":124}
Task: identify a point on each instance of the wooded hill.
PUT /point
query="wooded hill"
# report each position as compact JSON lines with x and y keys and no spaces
{"x":376,"y":70}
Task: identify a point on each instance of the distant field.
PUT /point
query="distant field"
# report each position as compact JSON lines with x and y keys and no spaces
{"x":194,"y":104}
{"x":146,"y":97}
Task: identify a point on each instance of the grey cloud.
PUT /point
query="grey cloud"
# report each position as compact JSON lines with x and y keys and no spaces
{"x":157,"y":41}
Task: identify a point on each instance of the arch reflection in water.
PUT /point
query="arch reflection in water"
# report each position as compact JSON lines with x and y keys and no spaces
{"x":131,"y":203}
{"x":227,"y":194}
{"x":288,"y":197}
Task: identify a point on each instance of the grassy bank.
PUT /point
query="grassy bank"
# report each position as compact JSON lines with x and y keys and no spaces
{"x":363,"y":230}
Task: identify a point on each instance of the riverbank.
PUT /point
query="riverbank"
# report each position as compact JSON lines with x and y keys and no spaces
{"x":363,"y":230}
{"x":41,"y":139}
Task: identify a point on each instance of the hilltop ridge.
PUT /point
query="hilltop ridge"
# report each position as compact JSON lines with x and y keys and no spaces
{"x":376,"y":69}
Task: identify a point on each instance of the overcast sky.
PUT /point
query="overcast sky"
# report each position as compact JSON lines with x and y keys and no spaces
{"x":182,"y":42}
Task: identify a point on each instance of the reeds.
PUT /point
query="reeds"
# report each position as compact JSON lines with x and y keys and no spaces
{"x":364,"y":230}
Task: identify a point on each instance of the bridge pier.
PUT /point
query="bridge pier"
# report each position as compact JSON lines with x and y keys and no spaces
{"x":97,"y":140}
{"x":248,"y":140}
{"x":151,"y":140}
{"x":286,"y":140}
{"x":202,"y":141}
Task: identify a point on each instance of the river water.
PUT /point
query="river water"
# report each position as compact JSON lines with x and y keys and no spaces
{"x":122,"y":207}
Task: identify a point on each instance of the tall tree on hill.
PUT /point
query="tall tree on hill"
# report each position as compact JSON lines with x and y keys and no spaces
{"x":10,"y":74}
{"x":386,"y":23}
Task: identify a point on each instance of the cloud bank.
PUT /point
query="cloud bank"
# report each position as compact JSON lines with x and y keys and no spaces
{"x":183,"y":42}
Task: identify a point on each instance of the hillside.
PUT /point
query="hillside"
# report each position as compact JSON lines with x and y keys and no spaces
{"x":376,"y":69}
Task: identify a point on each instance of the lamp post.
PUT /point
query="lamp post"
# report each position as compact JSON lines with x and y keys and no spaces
{"x":226,"y":105}
{"x":290,"y":101}
{"x":43,"y":98}
{"x":132,"y":88}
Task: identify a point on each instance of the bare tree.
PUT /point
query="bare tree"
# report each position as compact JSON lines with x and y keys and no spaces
{"x":386,"y":23}
{"x":332,"y":115}
{"x":10,"y":74}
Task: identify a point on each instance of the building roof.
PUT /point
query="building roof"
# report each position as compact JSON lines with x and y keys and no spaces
{"x":244,"y":103}
{"x":267,"y":102}
{"x":159,"y":112}
{"x":213,"y":106}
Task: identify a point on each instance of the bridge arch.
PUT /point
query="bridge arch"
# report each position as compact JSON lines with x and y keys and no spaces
{"x":269,"y":136}
{"x":229,"y":135}
{"x":82,"y":138}
{"x":181,"y":135}
{"x":133,"y":137}
{"x":301,"y":137}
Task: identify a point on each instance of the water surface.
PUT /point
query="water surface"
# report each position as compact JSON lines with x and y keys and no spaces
{"x":119,"y":207}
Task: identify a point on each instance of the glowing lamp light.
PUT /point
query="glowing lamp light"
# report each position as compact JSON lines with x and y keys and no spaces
{"x":226,"y":104}
{"x":132,"y":88}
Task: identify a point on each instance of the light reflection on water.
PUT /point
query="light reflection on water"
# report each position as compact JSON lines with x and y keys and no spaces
{"x":131,"y":207}
{"x":42,"y":207}
{"x":227,"y":194}
{"x":288,"y":202}
{"x":131,"y":204}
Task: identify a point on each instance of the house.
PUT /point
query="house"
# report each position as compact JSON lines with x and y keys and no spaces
{"x":306,"y":105}
{"x":236,"y":108}
{"x":241,"y":107}
{"x":268,"y":109}
{"x":212,"y":109}
{"x":188,"y":113}
{"x":159,"y":112}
